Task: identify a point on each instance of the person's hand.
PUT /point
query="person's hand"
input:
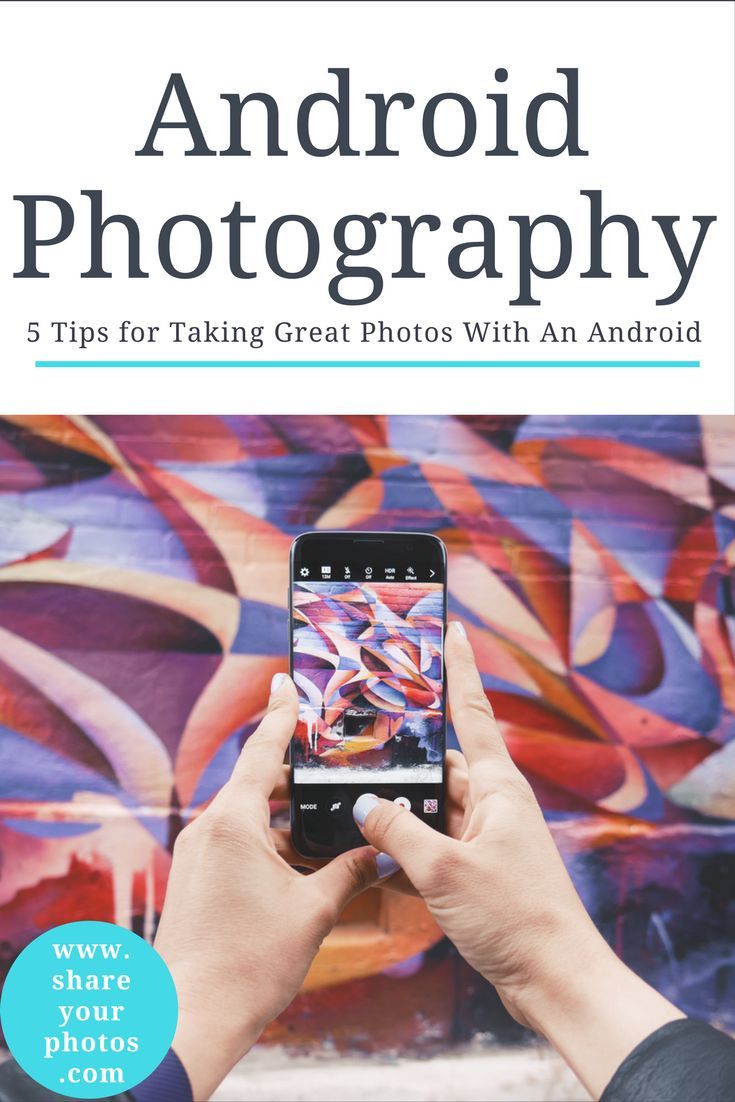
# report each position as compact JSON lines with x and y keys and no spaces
{"x":239,"y":927}
{"x":498,"y":888}
{"x":497,"y":885}
{"x":455,"y":802}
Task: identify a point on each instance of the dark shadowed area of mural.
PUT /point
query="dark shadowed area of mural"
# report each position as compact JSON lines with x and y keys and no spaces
{"x":143,"y":574}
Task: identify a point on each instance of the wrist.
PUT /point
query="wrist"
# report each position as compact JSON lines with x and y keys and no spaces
{"x":206,"y":1053}
{"x":210,"y":1036}
{"x":576,"y":962}
{"x":590,"y":1006}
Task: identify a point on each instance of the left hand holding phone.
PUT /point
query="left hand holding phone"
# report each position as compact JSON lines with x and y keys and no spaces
{"x":240,"y":927}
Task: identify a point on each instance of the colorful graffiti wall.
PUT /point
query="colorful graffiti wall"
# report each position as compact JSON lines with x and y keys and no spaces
{"x":143,"y":571}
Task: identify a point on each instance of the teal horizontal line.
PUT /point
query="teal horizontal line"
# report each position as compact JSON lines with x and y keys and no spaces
{"x":367,"y":363}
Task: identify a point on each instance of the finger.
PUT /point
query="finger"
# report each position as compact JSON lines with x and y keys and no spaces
{"x":457,"y":789}
{"x":281,"y":838}
{"x":282,"y":791}
{"x":396,"y":882}
{"x":472,"y":713}
{"x":399,"y":883}
{"x":393,"y":830}
{"x":349,"y":874}
{"x":260,"y":764}
{"x":456,"y":763}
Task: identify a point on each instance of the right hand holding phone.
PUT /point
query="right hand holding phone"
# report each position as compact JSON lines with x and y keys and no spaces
{"x":498,"y":888}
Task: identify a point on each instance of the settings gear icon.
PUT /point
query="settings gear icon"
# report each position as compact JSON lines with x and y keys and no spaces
{"x":304,"y":572}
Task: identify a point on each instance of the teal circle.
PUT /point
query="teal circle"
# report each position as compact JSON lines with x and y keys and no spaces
{"x":42,"y":1037}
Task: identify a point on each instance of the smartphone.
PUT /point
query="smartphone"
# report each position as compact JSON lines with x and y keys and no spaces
{"x":367,"y":615}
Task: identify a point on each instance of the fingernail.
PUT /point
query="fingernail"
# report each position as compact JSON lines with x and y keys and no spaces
{"x":363,"y":806}
{"x":459,"y":628}
{"x":386,"y":865}
{"x":278,"y":681}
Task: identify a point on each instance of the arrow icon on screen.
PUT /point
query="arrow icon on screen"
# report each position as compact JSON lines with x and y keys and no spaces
{"x":431,"y":573}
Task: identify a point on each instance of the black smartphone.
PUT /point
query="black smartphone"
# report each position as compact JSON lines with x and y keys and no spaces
{"x":368,"y":615}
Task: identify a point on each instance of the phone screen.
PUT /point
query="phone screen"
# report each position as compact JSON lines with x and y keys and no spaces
{"x":367,"y":633}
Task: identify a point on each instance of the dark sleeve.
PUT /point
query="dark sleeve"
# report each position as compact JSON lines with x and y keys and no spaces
{"x":683,"y":1061}
{"x":168,"y":1083}
{"x":16,"y":1086}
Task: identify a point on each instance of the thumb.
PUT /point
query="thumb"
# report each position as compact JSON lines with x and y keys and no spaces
{"x":346,"y":875}
{"x":392,"y":829}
